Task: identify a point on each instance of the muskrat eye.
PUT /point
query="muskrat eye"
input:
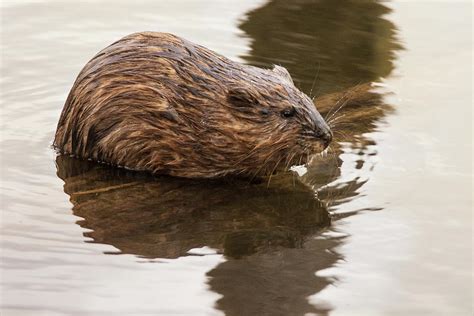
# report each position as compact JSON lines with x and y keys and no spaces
{"x":288,"y":112}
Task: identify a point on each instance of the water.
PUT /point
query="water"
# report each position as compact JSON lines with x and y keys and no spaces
{"x":382,"y":226}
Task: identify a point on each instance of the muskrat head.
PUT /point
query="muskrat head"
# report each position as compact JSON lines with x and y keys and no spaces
{"x":279,"y":124}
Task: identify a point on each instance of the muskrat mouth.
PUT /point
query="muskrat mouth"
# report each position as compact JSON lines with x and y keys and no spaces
{"x":303,"y":155}
{"x":310,"y":149}
{"x":318,"y":141}
{"x":316,"y":147}
{"x":313,"y":146}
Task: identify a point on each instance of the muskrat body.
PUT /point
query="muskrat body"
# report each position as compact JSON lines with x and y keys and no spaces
{"x":159,"y":103}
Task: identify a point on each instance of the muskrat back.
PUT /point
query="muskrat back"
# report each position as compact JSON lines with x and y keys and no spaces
{"x":157,"y":102}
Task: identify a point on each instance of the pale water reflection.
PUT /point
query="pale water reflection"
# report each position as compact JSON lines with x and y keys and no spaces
{"x":381,"y":226}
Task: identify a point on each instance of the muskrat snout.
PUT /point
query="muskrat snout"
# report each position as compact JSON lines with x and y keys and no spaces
{"x":323,"y":136}
{"x":320,"y":130}
{"x":326,"y":138}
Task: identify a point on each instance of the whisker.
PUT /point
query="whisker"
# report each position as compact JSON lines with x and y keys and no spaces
{"x":343,"y":104}
{"x":273,"y":170}
{"x":332,"y":108}
{"x":314,"y":80}
{"x":267,"y":159}
{"x":335,"y":119}
{"x":288,"y":162}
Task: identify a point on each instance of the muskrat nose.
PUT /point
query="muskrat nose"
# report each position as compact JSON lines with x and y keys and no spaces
{"x":326,"y":138}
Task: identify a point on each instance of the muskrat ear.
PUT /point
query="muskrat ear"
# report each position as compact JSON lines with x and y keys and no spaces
{"x":241,"y":97}
{"x":282,"y":72}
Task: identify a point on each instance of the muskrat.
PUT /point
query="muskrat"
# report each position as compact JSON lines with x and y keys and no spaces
{"x":157,"y":102}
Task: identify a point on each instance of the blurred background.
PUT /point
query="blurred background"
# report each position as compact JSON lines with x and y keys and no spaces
{"x":381,"y":226}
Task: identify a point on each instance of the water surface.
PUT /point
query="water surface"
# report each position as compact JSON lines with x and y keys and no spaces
{"x":381,"y":226}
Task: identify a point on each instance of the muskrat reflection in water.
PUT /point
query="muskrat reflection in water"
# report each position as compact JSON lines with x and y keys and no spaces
{"x":166,"y":217}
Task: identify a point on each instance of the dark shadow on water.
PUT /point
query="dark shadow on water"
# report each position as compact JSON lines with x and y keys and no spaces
{"x":268,"y":232}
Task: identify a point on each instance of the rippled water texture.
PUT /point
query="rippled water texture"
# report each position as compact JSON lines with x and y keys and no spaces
{"x":380,"y":226}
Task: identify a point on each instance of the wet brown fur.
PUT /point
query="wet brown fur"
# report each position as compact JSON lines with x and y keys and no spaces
{"x":156,"y":102}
